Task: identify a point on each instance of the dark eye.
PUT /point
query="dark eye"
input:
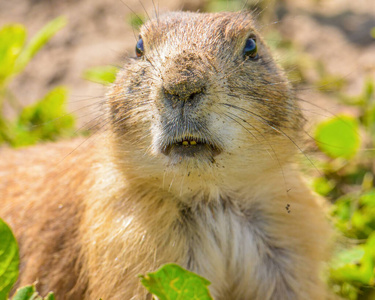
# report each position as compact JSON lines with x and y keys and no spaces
{"x":139,"y":48}
{"x":251,"y":49}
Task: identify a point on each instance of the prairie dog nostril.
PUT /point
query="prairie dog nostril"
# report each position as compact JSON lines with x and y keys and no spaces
{"x":193,"y":95}
{"x":183,"y":93}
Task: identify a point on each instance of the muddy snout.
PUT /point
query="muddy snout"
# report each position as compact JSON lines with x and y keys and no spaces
{"x":185,"y":79}
{"x":185,"y":98}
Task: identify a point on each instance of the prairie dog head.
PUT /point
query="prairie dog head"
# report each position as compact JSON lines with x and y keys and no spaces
{"x":204,"y":105}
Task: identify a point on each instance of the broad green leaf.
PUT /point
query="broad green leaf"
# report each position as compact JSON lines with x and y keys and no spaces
{"x":12,"y":39}
{"x":172,"y":282}
{"x":50,"y":296}
{"x":29,"y":293}
{"x":38,"y":41}
{"x":9,"y":260}
{"x":45,"y":120}
{"x":338,"y":137}
{"x":25,"y":293}
{"x":103,"y":75}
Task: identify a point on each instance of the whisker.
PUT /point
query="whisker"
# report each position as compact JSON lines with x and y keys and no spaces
{"x":145,"y":10}
{"x":278,"y":130}
{"x":101,"y":119}
{"x":269,"y":144}
{"x":90,"y":137}
{"x":85,"y":98}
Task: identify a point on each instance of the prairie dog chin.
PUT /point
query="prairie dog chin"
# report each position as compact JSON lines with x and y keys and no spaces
{"x":195,"y":166}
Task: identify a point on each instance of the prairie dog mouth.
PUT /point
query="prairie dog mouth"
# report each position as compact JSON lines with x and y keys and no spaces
{"x":190,"y":146}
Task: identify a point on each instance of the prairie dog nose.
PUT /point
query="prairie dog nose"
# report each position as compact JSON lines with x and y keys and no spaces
{"x":184,"y":77}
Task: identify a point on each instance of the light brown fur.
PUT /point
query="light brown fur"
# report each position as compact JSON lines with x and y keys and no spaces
{"x":90,"y":222}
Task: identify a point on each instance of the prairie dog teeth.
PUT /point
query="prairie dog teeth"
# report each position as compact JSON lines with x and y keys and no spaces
{"x":187,"y":143}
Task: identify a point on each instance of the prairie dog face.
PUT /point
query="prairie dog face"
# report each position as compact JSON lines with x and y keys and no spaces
{"x":204,"y":103}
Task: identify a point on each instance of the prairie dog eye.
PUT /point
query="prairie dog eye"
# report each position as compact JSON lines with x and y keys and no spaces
{"x":251,"y":50}
{"x":139,"y":49}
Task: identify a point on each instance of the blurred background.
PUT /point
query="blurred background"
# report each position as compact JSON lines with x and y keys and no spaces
{"x":56,"y":58}
{"x":325,"y":45}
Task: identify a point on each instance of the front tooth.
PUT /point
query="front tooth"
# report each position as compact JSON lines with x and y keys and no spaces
{"x":193,"y":142}
{"x":185,"y":143}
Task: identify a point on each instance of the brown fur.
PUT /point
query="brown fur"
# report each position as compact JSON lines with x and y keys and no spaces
{"x":43,"y":201}
{"x":90,"y":222}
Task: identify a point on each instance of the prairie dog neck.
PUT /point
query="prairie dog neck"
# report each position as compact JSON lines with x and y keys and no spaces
{"x":227,"y":239}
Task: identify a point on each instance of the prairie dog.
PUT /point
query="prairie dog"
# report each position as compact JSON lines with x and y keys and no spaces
{"x":195,"y":166}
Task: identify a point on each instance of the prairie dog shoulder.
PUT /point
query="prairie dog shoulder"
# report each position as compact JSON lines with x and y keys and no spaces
{"x":193,"y":168}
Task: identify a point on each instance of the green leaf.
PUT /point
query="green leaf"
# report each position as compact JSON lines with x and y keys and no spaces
{"x":172,"y":282}
{"x":38,"y":41}
{"x":25,"y":293}
{"x":348,"y":256}
{"x":9,"y":260}
{"x":29,"y":293}
{"x":322,"y":186}
{"x":368,"y":198}
{"x":103,"y":75}
{"x":12,"y":40}
{"x":50,"y":296}
{"x":338,"y":137}
{"x":45,"y":120}
{"x":349,"y":266}
{"x":355,"y":265}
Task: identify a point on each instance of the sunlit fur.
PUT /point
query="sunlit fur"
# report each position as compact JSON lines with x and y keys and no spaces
{"x":89,"y":219}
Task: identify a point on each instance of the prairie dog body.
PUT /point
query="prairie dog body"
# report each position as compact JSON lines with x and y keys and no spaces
{"x":195,"y":166}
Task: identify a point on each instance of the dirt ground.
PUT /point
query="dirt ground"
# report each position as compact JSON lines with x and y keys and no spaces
{"x":337,"y":32}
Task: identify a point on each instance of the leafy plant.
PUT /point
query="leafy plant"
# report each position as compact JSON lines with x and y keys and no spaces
{"x":29,"y":293}
{"x":348,"y":180}
{"x":338,"y":136}
{"x":172,"y":282}
{"x":46,"y":119}
{"x":15,"y":53}
{"x":9,"y":260}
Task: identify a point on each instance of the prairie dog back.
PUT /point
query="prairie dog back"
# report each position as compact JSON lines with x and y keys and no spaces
{"x":195,"y":166}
